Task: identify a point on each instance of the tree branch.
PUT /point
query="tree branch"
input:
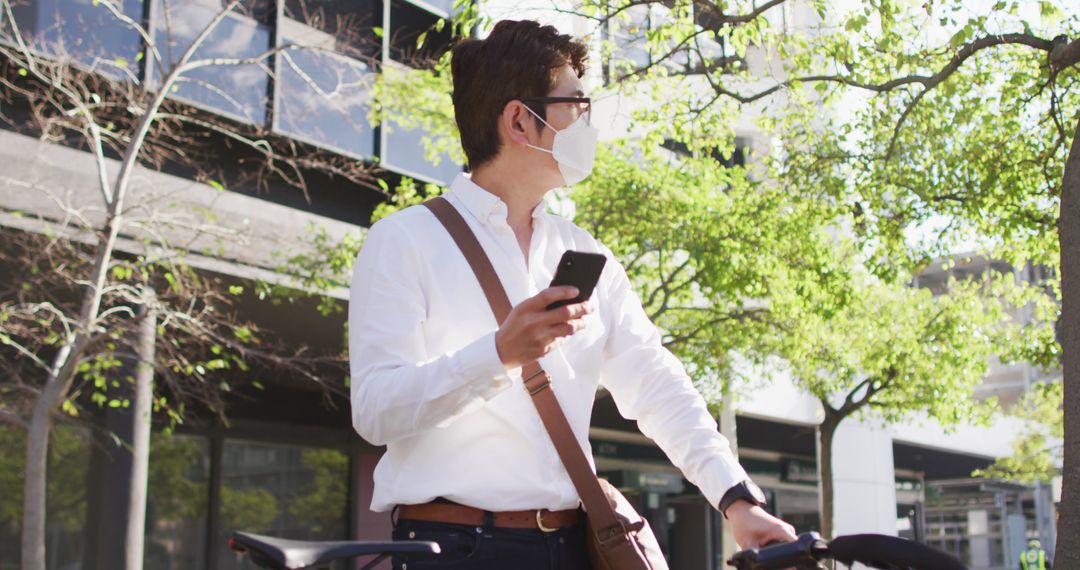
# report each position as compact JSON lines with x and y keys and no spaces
{"x":1068,"y":54}
{"x":14,"y":419}
{"x":717,"y":15}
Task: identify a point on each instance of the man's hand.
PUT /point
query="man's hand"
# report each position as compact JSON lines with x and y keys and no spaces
{"x":754,"y":528}
{"x":530,"y":331}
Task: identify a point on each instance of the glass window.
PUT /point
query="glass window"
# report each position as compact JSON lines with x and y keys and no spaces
{"x":285,"y":491}
{"x":176,"y":504}
{"x":408,"y":22}
{"x":84,"y":31}
{"x":323,"y":97}
{"x":344,"y":26}
{"x":798,"y":508}
{"x":403,"y":148}
{"x":444,"y":6}
{"x":404,"y":151}
{"x":236,"y":90}
{"x":69,"y":457}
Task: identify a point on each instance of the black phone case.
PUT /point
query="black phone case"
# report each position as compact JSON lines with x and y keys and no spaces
{"x":581,"y":270}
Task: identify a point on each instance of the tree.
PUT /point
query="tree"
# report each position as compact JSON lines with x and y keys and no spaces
{"x":67,"y":312}
{"x":956,"y":124}
{"x":1037,"y":450}
{"x":732,"y":268}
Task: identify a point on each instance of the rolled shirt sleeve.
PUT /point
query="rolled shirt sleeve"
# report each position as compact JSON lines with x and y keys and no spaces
{"x":397,"y":388}
{"x":651,"y":386}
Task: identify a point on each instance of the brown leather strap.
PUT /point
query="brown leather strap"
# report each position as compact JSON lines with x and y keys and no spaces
{"x":454,"y":513}
{"x":537,"y":382}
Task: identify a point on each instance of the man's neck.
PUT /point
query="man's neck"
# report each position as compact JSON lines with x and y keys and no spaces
{"x":520,"y":195}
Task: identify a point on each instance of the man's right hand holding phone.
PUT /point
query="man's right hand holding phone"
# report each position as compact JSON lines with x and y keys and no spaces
{"x":530,"y":331}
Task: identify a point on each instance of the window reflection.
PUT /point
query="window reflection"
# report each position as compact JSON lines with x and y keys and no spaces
{"x":66,"y":500}
{"x":292,"y":492}
{"x":323,"y":97}
{"x":405,"y":151}
{"x":344,"y":26}
{"x":237,"y":90}
{"x":177,"y":502}
{"x":84,"y":31}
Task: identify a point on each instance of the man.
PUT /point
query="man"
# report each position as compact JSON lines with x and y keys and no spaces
{"x":1034,"y":558}
{"x":437,"y":381}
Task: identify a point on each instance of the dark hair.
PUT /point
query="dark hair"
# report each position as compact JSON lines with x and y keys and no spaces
{"x":518,"y":59}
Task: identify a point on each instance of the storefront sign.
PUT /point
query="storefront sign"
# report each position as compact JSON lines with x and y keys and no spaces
{"x":646,"y":481}
{"x":798,"y":471}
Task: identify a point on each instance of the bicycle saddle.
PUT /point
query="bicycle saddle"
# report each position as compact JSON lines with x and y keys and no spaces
{"x":295,"y":554}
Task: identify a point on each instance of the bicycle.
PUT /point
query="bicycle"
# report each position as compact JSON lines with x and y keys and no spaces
{"x":284,"y":554}
{"x":873,"y":550}
{"x":806,"y":553}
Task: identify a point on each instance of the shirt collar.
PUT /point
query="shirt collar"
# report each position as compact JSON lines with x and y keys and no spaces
{"x":483,"y":204}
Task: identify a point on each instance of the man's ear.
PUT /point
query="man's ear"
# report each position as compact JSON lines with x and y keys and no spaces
{"x":515,"y":123}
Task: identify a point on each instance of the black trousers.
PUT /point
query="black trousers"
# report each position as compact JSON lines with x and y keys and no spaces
{"x":489,"y":548}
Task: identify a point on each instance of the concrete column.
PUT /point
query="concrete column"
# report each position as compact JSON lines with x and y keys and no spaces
{"x":112,"y":464}
{"x":864,"y":479}
{"x":1044,"y":516}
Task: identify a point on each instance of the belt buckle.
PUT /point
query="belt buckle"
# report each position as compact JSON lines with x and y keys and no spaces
{"x":540,"y":522}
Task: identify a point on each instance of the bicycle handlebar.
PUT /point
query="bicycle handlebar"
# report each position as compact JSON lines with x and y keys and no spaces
{"x":873,"y":550}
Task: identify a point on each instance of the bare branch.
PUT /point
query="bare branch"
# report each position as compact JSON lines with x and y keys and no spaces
{"x":6,"y":339}
{"x":965,"y":52}
{"x":1064,"y":54}
{"x":739,"y":315}
{"x":13,"y":418}
{"x":147,"y":39}
{"x":717,"y":15}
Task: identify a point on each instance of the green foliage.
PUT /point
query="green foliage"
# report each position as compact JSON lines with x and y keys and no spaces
{"x":69,"y":454}
{"x":1037,"y":452}
{"x":319,"y":509}
{"x":921,"y":129}
{"x":712,"y":254}
{"x":251,"y":509}
{"x":903,"y":349}
{"x":408,"y":98}
{"x":406,"y":194}
{"x":177,"y":487}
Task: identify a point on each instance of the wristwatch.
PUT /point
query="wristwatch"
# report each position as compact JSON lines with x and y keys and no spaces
{"x":743,"y":491}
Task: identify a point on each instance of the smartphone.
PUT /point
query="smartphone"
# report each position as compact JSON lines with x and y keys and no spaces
{"x":581,"y":270}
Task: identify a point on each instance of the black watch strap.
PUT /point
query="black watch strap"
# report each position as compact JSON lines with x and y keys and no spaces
{"x":742,"y":491}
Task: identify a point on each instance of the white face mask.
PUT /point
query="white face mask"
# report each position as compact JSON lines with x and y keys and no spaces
{"x":573,"y":148}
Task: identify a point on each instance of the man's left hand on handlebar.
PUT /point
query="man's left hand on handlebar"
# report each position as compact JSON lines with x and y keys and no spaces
{"x":754,"y":528}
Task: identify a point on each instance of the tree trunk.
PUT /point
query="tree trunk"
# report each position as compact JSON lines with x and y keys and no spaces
{"x":140,"y":434}
{"x":37,"y":453}
{"x":826,"y":433}
{"x":1067,"y":553}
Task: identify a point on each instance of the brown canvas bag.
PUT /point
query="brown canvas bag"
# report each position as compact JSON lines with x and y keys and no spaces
{"x":618,"y":537}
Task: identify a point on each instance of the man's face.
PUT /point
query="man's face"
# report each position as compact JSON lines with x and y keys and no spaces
{"x":567,"y":84}
{"x":559,"y":115}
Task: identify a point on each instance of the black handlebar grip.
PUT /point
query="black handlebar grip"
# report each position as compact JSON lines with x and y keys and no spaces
{"x":776,"y":555}
{"x":880,"y":551}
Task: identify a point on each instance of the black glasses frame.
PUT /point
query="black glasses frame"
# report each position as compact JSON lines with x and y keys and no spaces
{"x":546,"y":100}
{"x":587,"y":101}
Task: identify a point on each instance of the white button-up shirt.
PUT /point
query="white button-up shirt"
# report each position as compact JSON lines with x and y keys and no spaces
{"x":427,"y":381}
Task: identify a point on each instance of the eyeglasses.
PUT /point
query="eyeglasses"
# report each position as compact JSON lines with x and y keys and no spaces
{"x":580,"y":105}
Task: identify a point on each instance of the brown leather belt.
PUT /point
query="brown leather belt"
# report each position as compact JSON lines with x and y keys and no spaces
{"x":454,"y":513}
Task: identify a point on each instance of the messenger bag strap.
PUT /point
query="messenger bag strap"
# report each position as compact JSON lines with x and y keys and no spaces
{"x":536,"y":381}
